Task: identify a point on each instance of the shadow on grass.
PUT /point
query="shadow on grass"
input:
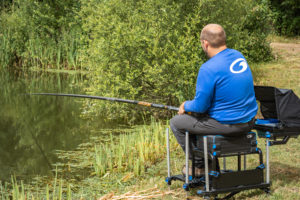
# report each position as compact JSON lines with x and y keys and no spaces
{"x":284,"y":173}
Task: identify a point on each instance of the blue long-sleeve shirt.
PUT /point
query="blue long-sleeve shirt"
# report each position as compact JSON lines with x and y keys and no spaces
{"x":225,"y":89}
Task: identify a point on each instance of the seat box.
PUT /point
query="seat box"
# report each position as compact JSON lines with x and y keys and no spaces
{"x":219,"y":145}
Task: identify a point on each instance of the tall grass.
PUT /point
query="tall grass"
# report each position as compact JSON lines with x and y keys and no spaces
{"x":41,"y":34}
{"x":62,"y":54}
{"x":6,"y":49}
{"x":17,"y":190}
{"x":132,"y":152}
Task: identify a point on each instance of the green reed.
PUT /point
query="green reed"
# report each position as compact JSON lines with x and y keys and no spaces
{"x":17,"y":190}
{"x":6,"y":48}
{"x":35,"y":51}
{"x":132,"y":152}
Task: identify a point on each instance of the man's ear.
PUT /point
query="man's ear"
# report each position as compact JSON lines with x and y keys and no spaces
{"x":205,"y":43}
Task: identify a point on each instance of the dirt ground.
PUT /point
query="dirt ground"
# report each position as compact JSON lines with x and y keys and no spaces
{"x":286,"y":51}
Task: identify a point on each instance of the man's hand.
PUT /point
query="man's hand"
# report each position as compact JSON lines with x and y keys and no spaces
{"x":181,"y":109}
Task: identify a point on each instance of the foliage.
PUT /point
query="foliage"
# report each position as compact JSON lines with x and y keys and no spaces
{"x":40,"y":33}
{"x":5,"y":4}
{"x":150,"y":50}
{"x":286,"y":16}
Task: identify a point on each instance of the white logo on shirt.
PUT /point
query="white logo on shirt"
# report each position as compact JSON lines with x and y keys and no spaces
{"x":243,"y":64}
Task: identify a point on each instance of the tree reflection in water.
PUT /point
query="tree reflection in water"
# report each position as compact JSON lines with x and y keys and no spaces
{"x":31,"y":128}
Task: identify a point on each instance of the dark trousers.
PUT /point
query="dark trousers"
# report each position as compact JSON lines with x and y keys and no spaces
{"x":204,"y":125}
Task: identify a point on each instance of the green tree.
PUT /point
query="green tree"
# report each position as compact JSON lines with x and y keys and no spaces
{"x":286,"y":16}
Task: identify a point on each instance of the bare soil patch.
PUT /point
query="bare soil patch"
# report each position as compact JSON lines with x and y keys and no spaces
{"x":286,"y":51}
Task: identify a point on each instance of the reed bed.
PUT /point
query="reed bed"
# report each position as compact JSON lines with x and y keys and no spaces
{"x":58,"y":189}
{"x":38,"y":52}
{"x":132,"y":152}
{"x":6,"y":49}
{"x":58,"y":55}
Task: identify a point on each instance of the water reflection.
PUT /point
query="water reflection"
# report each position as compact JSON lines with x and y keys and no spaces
{"x":32,"y":127}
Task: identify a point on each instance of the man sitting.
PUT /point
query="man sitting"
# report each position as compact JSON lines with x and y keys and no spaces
{"x":224,"y":95}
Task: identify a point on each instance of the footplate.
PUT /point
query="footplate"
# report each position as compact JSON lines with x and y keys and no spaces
{"x":193,"y":182}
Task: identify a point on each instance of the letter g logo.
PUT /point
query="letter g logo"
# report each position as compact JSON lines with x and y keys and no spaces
{"x":237,"y":70}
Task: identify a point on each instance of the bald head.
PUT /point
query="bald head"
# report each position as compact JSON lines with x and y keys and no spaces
{"x":214,"y":34}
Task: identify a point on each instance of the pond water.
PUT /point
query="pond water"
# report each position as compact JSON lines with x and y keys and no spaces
{"x":33,"y":127}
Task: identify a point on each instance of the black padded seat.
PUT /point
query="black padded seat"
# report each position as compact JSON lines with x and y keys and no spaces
{"x":281,"y":111}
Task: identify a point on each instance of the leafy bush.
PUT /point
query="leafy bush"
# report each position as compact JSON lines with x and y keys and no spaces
{"x":150,"y":50}
{"x":286,"y":16}
{"x":5,"y":4}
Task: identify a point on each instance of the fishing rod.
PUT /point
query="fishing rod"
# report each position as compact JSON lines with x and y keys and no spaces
{"x":142,"y":103}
